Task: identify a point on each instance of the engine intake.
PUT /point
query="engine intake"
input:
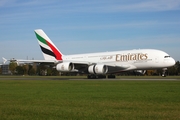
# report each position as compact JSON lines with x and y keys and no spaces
{"x":65,"y":67}
{"x":98,"y":69}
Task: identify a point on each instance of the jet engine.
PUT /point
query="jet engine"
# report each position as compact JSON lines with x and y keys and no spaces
{"x":65,"y":67}
{"x":98,"y":69}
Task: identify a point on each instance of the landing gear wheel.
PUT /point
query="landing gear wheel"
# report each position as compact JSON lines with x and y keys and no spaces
{"x":111,"y":76}
{"x":96,"y":76}
{"x":91,"y":76}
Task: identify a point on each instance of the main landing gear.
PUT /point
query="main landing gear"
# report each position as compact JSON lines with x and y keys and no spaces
{"x":92,"y":76}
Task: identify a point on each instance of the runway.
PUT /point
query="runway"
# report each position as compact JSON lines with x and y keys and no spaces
{"x":135,"y":79}
{"x":141,"y":78}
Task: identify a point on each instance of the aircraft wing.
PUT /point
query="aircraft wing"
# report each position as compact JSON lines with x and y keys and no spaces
{"x":80,"y":66}
{"x":112,"y":67}
{"x":32,"y":61}
{"x":39,"y":61}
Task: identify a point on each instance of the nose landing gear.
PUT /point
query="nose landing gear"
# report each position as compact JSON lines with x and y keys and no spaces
{"x":164,"y":72}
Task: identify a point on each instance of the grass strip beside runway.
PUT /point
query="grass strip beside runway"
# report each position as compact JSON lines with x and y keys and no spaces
{"x":89,"y":99}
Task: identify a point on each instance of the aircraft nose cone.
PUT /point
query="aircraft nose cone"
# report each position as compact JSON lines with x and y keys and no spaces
{"x":173,"y":62}
{"x":169,"y":62}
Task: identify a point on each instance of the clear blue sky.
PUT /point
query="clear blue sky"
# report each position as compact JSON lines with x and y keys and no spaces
{"x":83,"y":26}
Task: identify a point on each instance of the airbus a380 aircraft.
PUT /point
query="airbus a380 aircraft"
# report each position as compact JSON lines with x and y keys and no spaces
{"x":104,"y":63}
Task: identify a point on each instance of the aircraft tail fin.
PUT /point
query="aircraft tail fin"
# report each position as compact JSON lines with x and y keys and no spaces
{"x":49,"y":50}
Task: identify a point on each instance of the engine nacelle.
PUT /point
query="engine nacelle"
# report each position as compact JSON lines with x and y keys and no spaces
{"x":65,"y":67}
{"x":98,"y":69}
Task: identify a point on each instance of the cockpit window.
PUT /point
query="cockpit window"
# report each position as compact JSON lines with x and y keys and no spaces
{"x":166,"y":56}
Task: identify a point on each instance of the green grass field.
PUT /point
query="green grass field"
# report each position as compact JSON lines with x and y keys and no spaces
{"x":52,"y":98}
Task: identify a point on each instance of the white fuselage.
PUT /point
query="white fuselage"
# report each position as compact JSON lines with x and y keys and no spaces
{"x":129,"y":60}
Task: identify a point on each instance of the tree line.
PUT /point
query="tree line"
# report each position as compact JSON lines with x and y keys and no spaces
{"x":49,"y":70}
